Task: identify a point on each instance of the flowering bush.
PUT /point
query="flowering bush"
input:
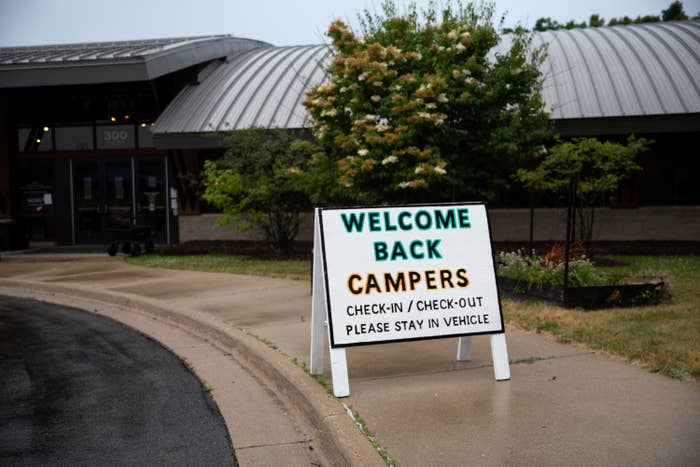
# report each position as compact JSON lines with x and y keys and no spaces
{"x":543,"y":270}
{"x":419,"y":108}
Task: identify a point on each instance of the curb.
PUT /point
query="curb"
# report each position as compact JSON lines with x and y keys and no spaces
{"x":340,"y":439}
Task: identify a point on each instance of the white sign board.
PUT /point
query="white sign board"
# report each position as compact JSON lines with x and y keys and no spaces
{"x":402,"y":273}
{"x":406,"y":273}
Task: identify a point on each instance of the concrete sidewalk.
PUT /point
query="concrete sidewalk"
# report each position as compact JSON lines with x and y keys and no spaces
{"x":563,"y":405}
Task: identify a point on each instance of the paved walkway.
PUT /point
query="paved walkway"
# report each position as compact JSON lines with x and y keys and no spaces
{"x":563,"y":405}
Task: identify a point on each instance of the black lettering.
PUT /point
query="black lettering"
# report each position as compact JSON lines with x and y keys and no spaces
{"x":415,"y":244}
{"x":398,"y":251}
{"x":351,"y":284}
{"x":464,"y":218}
{"x":430,"y":280}
{"x":374,"y":224}
{"x":427,"y":221}
{"x":402,"y":224}
{"x":387,"y":223}
{"x":432,"y":248}
{"x":413,"y":279}
{"x":354,"y":222}
{"x":398,"y":285}
{"x":380,"y":251}
{"x":462,"y":278}
{"x":446,"y":278}
{"x":372,"y":284}
{"x":446,"y":222}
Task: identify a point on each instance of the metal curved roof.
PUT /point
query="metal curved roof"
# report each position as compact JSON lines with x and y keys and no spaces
{"x":262,"y":88}
{"x":100,"y":62}
{"x":619,"y":71}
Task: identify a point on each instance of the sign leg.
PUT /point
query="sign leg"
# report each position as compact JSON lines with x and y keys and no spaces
{"x":339,"y":373}
{"x":318,"y":329}
{"x":499,"y":354}
{"x":464,"y":348}
{"x":318,"y":305}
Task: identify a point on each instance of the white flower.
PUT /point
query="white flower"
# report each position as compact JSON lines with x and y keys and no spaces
{"x":375,"y":98}
{"x":460,"y":48}
{"x":362,"y":152}
{"x":390,"y":160}
{"x":440,"y":171}
{"x":404,"y":184}
{"x":431,"y":105}
{"x":454,"y":34}
{"x":382,"y":128}
{"x":456,"y":74}
{"x":442,"y":98}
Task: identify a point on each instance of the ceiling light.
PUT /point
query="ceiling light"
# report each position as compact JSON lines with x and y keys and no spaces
{"x":46,"y":129}
{"x":38,"y":140}
{"x":114,"y":119}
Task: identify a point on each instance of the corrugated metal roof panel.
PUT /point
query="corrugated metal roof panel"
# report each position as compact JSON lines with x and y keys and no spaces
{"x":632,"y":70}
{"x":619,"y":71}
{"x":263,"y":88}
{"x":112,"y":61}
{"x":96,"y":50}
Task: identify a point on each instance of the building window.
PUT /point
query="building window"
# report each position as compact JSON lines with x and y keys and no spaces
{"x":145,"y":135}
{"x":74,"y":138}
{"x":33,"y":139}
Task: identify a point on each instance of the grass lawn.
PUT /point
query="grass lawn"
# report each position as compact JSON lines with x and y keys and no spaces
{"x":232,"y":264}
{"x":663,"y":338}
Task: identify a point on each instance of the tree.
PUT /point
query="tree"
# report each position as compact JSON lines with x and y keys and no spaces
{"x":573,"y":25}
{"x":258,"y":183}
{"x":419,"y":108}
{"x":674,"y":12}
{"x":546,"y":24}
{"x":596,"y":21}
{"x":596,"y":167}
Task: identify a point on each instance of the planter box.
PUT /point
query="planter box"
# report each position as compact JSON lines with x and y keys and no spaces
{"x":648,"y":291}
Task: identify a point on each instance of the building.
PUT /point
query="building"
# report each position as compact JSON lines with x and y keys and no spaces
{"x":94,"y":135}
{"x":77,"y":155}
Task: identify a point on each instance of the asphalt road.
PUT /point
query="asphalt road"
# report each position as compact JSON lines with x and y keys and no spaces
{"x":79,"y":389}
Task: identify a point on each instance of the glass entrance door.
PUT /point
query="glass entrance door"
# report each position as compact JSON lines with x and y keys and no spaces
{"x":102,"y":198}
{"x":151,"y":200}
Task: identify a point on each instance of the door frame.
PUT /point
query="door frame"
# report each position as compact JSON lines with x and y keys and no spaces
{"x":102,"y":162}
